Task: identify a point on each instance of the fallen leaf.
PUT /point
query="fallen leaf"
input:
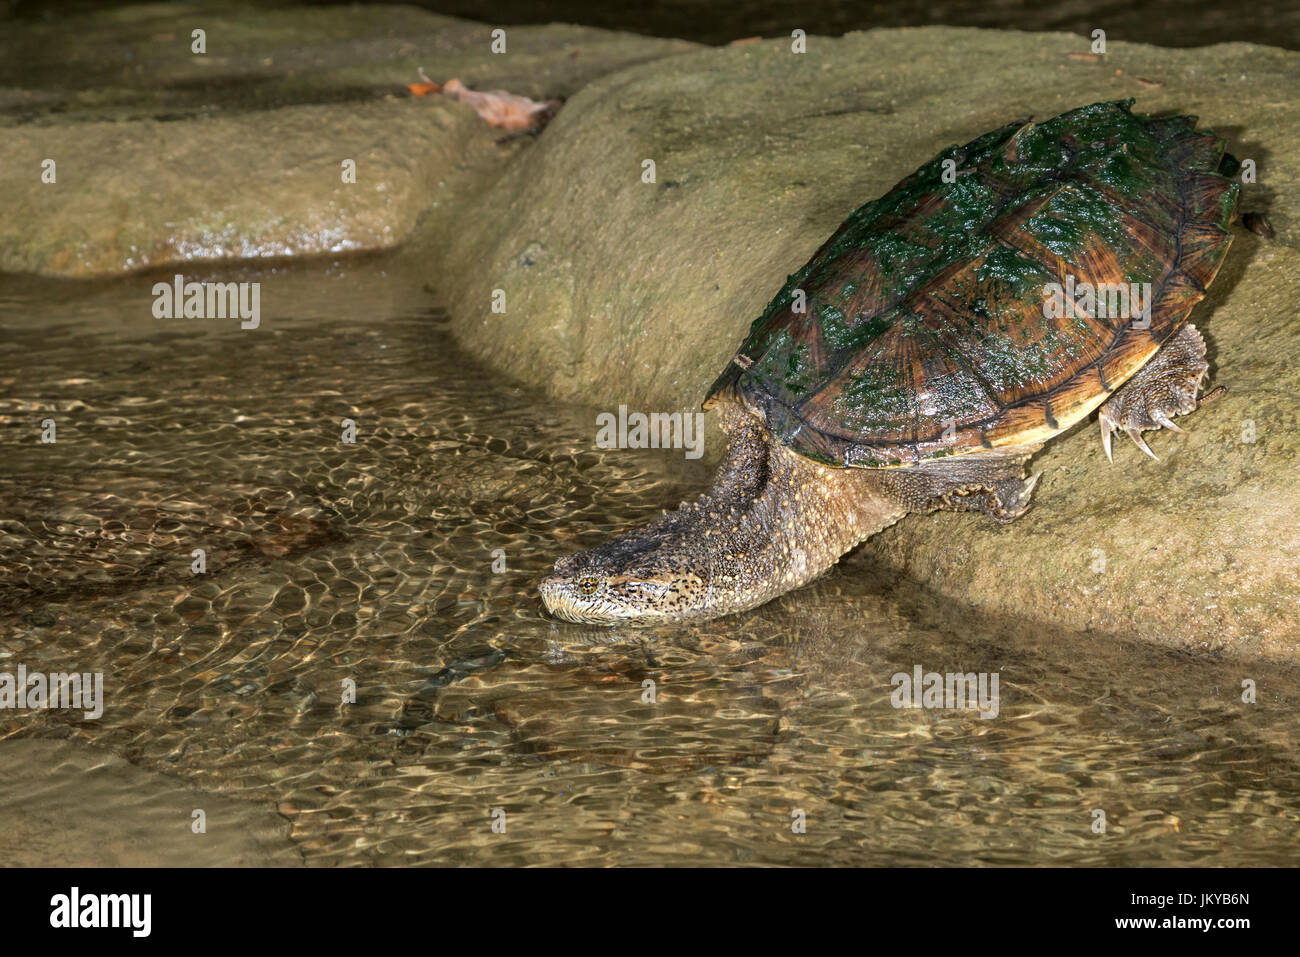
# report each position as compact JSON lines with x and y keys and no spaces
{"x":1148,"y":84}
{"x":1084,"y":56}
{"x":501,"y":109}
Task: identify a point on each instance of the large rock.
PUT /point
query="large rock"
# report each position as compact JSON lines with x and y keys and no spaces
{"x":165,"y":156}
{"x":620,"y":291}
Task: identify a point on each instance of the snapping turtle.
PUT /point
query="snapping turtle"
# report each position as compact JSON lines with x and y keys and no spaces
{"x":985,"y":304}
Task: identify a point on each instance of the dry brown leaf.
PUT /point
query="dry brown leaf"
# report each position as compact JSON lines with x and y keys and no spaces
{"x":498,"y":108}
{"x":502,"y":109}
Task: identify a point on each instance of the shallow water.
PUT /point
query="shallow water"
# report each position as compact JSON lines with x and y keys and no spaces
{"x":374,"y":562}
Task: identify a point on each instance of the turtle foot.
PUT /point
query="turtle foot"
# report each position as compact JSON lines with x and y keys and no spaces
{"x":1003,"y":501}
{"x":992,"y":483}
{"x":1164,"y":387}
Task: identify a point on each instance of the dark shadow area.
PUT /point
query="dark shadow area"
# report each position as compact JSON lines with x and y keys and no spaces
{"x":1170,"y":23}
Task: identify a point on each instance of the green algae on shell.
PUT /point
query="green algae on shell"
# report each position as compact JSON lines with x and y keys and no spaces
{"x":918,"y":329}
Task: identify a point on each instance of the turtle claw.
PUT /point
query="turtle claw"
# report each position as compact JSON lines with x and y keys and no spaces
{"x":1136,"y":436}
{"x":1166,"y":386}
{"x":1107,"y":427}
{"x":1167,"y":422}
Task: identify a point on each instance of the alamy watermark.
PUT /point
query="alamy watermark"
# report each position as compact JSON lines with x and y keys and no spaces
{"x":952,"y":692}
{"x":658,"y":430}
{"x":1112,"y":300}
{"x":75,"y":909}
{"x":179,"y":299}
{"x":37,"y":689}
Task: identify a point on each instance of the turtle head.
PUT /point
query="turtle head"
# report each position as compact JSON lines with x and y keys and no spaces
{"x":626,"y":581}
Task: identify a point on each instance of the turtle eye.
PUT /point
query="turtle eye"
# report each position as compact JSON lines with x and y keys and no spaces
{"x":588,"y":586}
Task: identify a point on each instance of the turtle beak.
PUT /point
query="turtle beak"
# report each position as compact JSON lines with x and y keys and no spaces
{"x":550,"y":589}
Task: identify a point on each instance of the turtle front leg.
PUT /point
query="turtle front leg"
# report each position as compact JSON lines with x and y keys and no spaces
{"x":990,"y":482}
{"x":1164,"y":387}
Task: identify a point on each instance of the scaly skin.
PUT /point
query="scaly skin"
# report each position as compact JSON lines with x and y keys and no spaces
{"x":773,"y":521}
